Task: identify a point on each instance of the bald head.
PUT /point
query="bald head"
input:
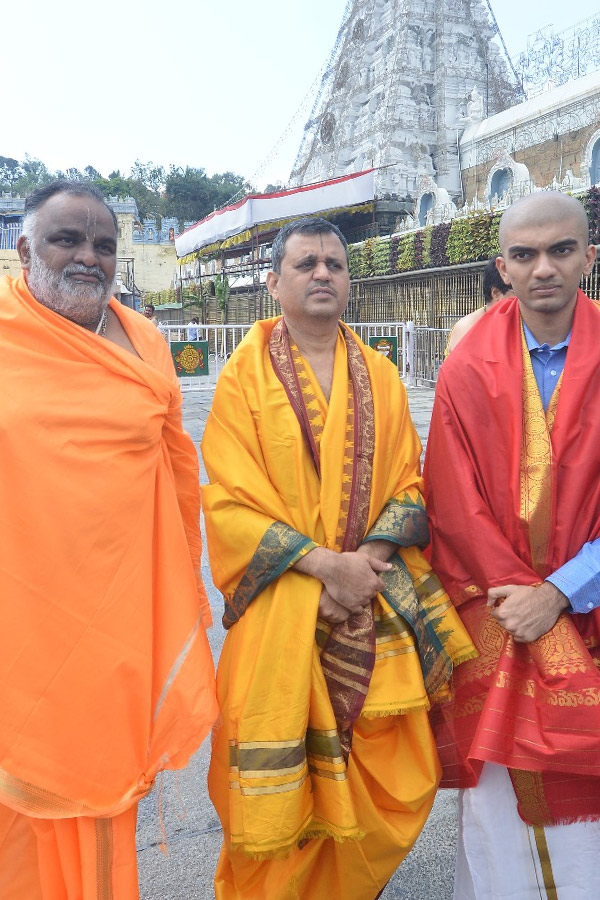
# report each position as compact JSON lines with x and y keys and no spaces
{"x":545,"y":251}
{"x":536,"y":210}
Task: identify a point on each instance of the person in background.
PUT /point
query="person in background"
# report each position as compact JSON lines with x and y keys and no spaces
{"x":150,"y":313}
{"x":494,"y":289}
{"x":192,"y":328}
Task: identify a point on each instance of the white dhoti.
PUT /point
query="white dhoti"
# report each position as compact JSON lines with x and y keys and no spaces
{"x":502,"y":858}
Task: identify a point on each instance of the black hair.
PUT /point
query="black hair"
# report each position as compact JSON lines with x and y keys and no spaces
{"x":493,"y":279}
{"x":306,"y":225}
{"x":38,"y":197}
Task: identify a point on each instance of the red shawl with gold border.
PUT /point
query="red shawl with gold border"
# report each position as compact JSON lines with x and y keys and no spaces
{"x":512,"y":495}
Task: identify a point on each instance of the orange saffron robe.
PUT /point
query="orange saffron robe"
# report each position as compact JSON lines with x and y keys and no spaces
{"x":513,"y":494}
{"x":106,"y":675}
{"x":324,"y":768}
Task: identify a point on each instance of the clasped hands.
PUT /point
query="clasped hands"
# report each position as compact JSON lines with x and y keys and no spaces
{"x":350,"y":580}
{"x":526,"y":612}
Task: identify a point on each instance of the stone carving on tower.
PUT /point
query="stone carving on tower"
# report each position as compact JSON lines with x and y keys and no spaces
{"x":404,"y":80}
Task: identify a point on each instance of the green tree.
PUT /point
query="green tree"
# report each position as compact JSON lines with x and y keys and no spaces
{"x":151,"y":176}
{"x":91,"y":174}
{"x":149,"y":203}
{"x":187,"y":194}
{"x":10,"y":172}
{"x":191,"y":195}
{"x":34,"y":174}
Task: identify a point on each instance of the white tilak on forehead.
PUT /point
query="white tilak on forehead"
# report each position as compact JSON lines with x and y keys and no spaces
{"x":91,"y":218}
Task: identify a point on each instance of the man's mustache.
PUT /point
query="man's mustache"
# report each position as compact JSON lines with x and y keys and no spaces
{"x":80,"y":269}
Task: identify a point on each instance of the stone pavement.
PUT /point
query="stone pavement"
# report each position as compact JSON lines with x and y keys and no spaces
{"x":181,"y":802}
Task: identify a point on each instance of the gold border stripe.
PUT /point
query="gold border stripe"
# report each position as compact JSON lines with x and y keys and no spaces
{"x":104,"y":859}
{"x":545,"y":863}
{"x":37,"y":801}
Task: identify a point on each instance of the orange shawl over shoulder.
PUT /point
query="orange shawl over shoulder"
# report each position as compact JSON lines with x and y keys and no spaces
{"x":105,"y":670}
{"x":512,"y":495}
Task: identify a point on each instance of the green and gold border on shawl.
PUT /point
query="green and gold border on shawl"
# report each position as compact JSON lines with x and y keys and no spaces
{"x":425,"y":620}
{"x":258,"y":758}
{"x":259,"y":768}
{"x":275,"y":767}
{"x":401,"y":522}
{"x":279,"y":762}
{"x":281,"y":546}
{"x":435,"y":602}
{"x":393,"y":636}
{"x":388,"y":624}
{"x":325,"y":755}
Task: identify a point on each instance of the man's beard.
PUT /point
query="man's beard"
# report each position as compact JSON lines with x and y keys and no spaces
{"x":81,"y":302}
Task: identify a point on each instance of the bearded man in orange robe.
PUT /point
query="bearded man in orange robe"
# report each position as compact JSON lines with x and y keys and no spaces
{"x":105,"y":671}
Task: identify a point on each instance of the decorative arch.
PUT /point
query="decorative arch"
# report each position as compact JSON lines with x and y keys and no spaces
{"x":426,"y":203}
{"x":434,"y":203}
{"x":500,"y":184}
{"x":507,"y":180}
{"x":590,"y":163}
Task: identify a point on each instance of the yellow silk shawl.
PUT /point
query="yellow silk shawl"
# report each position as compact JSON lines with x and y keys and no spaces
{"x":265,"y":507}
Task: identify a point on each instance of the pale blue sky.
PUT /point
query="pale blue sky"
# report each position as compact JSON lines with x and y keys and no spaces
{"x":192,"y":82}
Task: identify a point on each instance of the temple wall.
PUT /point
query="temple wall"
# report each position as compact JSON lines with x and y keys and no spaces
{"x":154,"y":266}
{"x":546,"y":142}
{"x":546,"y":161}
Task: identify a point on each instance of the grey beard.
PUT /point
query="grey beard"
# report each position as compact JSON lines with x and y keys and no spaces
{"x":81,"y":303}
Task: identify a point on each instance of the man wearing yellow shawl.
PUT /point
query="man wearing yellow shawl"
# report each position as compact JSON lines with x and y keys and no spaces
{"x":324,"y":768}
{"x":106,"y":675}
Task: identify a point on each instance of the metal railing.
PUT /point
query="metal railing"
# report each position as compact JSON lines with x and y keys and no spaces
{"x":9,"y":235}
{"x":427,"y":352}
{"x":222,"y":341}
{"x":367,"y":330}
{"x":420,"y":350}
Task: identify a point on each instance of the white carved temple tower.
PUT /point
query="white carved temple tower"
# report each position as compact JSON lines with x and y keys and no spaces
{"x":403,"y":81}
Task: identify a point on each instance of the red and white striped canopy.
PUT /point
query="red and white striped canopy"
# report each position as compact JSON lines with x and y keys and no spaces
{"x":349,"y":190}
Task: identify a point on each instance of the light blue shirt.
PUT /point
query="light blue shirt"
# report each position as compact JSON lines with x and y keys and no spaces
{"x":579,"y":578}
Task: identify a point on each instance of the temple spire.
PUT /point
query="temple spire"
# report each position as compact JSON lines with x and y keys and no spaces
{"x":403,"y":81}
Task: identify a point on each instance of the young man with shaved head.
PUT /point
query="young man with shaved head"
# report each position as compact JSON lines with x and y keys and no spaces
{"x":324,"y":767}
{"x":513,"y":492}
{"x":105,"y":671}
